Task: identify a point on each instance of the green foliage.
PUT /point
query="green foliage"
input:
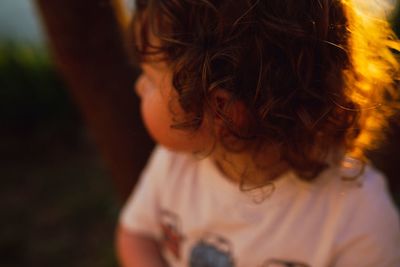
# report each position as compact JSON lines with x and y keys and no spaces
{"x":31,"y":92}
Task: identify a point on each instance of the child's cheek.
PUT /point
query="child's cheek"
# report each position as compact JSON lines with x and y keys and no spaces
{"x":155,"y":114}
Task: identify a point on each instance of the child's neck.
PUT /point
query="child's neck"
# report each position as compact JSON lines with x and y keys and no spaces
{"x":245,"y":168}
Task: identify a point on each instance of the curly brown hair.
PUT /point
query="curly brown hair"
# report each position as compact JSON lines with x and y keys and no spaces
{"x":315,"y":77}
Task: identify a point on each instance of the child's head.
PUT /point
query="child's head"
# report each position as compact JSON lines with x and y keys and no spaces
{"x":312,"y":78}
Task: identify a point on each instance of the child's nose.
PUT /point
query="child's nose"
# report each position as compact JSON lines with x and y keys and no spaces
{"x":139,"y":86}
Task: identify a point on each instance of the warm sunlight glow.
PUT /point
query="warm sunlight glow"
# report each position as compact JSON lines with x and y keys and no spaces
{"x":371,"y":85}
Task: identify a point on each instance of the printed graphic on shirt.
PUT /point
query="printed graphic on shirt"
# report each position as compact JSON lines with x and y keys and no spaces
{"x":172,"y":235}
{"x":212,"y":251}
{"x":283,"y":263}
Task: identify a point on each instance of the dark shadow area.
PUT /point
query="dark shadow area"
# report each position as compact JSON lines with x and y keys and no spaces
{"x":58,"y":204}
{"x":387,"y":159}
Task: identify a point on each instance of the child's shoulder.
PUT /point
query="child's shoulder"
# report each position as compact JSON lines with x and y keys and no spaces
{"x":372,"y":196}
{"x":360,"y":184}
{"x":363,"y":201}
{"x":363,"y":182}
{"x":368,"y":220}
{"x":358,"y":195}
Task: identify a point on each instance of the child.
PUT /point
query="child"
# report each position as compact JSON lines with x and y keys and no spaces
{"x":263,"y":110}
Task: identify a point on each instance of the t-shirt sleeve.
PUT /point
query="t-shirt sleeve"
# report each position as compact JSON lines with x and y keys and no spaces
{"x":373,"y":232}
{"x":141,"y":211}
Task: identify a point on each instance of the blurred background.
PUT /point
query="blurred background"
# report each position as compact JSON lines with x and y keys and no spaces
{"x":58,"y":206}
{"x":59,"y":197}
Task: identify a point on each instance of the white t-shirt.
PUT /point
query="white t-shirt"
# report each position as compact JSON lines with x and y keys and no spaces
{"x":203,"y":219}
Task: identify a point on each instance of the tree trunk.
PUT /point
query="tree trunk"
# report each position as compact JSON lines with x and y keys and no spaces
{"x":86,"y":43}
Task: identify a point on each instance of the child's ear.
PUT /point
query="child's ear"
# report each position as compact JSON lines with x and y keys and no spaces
{"x":229,"y":112}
